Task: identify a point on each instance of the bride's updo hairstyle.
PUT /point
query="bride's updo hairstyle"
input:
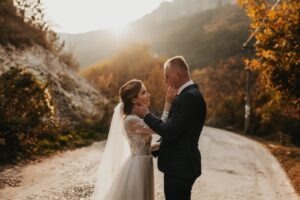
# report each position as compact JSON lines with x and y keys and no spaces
{"x":127,"y":92}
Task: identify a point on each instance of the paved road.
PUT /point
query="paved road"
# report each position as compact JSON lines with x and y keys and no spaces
{"x":234,"y":167}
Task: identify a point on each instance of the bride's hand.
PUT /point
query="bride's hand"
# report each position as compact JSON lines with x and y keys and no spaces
{"x":171,"y":94}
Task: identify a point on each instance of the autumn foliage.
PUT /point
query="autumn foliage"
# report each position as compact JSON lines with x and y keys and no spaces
{"x":275,"y":76}
{"x":223,"y":87}
{"x":28,"y":119}
{"x":135,"y":62}
{"x":277,"y":47}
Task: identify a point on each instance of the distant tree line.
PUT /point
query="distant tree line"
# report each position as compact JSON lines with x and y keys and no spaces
{"x":134,"y":62}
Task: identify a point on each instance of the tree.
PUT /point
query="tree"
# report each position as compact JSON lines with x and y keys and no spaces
{"x":277,"y":47}
{"x":156,"y":87}
{"x":134,"y":62}
{"x":223,"y":89}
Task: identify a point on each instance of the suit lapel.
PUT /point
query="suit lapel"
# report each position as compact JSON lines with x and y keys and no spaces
{"x":189,"y":87}
{"x":183,"y":91}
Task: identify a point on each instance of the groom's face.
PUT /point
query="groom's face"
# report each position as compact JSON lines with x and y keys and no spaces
{"x":171,"y":77}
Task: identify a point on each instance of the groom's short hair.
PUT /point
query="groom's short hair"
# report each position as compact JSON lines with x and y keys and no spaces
{"x":179,"y":62}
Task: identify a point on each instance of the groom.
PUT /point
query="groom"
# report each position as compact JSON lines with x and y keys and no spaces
{"x":179,"y":157}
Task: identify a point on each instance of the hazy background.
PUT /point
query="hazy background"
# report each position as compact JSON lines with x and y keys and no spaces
{"x":184,"y":27}
{"x":62,"y":63}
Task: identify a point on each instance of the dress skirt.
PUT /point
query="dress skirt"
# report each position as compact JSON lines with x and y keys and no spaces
{"x":135,"y":180}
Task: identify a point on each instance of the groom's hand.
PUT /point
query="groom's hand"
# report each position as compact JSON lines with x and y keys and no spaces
{"x":140,"y":110}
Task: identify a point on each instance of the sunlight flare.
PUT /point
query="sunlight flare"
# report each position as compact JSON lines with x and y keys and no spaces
{"x":87,"y":15}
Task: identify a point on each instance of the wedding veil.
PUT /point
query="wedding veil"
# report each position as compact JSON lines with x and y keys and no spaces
{"x":116,"y":152}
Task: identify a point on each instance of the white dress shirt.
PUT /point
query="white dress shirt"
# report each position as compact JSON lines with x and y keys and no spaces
{"x":191,"y":82}
{"x":165,"y":114}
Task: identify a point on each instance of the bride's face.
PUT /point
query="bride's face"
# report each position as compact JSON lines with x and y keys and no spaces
{"x":143,"y":97}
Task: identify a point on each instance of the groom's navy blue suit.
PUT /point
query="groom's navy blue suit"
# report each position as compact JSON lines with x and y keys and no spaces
{"x":179,"y":157}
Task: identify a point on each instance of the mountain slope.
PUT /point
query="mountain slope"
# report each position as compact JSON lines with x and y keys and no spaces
{"x":25,"y":45}
{"x":203,"y":37}
{"x":73,"y":97}
{"x":181,"y":8}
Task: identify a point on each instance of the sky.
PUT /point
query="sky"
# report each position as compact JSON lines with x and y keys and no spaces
{"x":77,"y":16}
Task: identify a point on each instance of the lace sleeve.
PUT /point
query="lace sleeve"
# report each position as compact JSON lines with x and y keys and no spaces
{"x":136,"y":125}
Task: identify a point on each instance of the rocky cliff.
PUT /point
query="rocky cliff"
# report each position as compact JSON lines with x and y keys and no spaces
{"x":73,"y":98}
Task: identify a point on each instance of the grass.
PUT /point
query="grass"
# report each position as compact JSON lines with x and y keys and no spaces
{"x":83,"y":135}
{"x":49,"y":146}
{"x":15,"y":31}
{"x":50,"y":143}
{"x":289,"y":159}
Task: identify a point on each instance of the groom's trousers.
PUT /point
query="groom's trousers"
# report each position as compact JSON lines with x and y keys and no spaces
{"x":177,"y":188}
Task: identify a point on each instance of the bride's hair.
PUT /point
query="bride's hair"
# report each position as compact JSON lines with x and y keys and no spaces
{"x":127,"y":92}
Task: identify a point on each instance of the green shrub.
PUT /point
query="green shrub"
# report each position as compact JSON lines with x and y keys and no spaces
{"x":25,"y":112}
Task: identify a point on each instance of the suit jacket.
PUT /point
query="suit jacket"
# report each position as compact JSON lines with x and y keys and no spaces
{"x":179,"y":154}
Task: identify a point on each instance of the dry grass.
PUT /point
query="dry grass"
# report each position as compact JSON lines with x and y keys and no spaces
{"x":14,"y":31}
{"x":289,"y":159}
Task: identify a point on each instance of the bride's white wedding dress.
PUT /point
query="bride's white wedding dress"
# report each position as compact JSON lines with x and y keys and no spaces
{"x":126,"y":170}
{"x":135,"y":181}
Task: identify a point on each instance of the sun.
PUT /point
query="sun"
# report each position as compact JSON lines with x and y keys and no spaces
{"x":118,"y":28}
{"x":88,"y":15}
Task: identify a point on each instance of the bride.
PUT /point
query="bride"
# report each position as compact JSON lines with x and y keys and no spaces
{"x":126,"y":169}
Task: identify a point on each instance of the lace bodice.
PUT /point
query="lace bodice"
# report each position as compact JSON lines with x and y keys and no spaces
{"x":139,"y":135}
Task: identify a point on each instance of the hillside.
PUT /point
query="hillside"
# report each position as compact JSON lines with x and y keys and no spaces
{"x":44,"y":103}
{"x":74,"y":98}
{"x":204,"y":37}
{"x":179,"y":8}
{"x":24,"y":45}
{"x":13,"y":29}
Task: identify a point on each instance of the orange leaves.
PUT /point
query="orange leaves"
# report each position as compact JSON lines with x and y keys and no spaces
{"x":135,"y":61}
{"x":223,"y":90}
{"x":268,"y":54}
{"x":277,"y":44}
{"x":252,"y":64}
{"x":271,"y":15}
{"x":154,"y":81}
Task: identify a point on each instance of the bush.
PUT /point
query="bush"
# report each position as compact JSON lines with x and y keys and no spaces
{"x":223,"y":90}
{"x":15,"y":31}
{"x":25,"y":112}
{"x":27,"y":124}
{"x":24,"y":26}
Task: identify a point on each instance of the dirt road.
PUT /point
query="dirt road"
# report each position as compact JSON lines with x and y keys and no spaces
{"x":234,"y":167}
